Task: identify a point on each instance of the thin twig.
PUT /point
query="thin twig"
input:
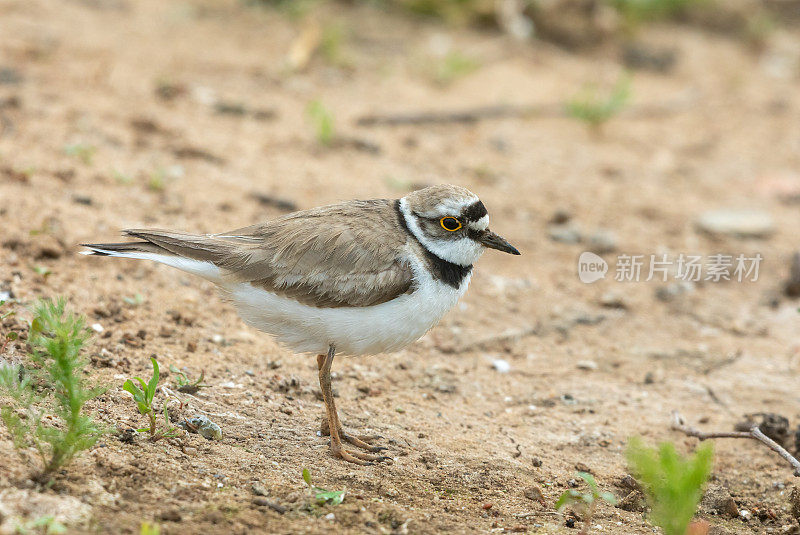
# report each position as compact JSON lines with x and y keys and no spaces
{"x":510,"y":111}
{"x":678,"y":424}
{"x":464,"y":116}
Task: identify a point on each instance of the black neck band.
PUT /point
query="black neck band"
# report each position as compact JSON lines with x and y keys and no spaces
{"x":447,"y":272}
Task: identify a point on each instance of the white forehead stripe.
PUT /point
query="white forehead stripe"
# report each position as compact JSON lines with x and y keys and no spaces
{"x":449,"y":207}
{"x":480,"y":224}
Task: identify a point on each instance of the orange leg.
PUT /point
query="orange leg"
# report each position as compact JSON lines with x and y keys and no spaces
{"x":324,"y":364}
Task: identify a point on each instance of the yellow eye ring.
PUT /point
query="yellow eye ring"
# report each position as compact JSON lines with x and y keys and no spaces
{"x":450,"y":224}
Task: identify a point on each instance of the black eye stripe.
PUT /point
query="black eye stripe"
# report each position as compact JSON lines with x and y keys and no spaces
{"x":474,"y":211}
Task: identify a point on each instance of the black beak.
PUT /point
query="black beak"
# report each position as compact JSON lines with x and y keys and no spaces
{"x":489,"y":239}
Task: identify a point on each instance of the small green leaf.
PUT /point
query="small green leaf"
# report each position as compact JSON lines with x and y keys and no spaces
{"x":44,"y":271}
{"x":128,"y":386}
{"x":307,"y":476}
{"x":568,"y":497}
{"x":334,"y":497}
{"x":589,"y":478}
{"x":12,"y":336}
{"x":36,"y":326}
{"x":151,"y":386}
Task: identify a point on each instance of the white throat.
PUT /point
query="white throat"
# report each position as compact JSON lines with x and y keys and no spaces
{"x":463,"y":252}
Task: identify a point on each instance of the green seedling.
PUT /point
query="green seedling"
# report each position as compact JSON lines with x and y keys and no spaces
{"x":452,"y":11}
{"x":594,"y":108}
{"x":453,"y":66}
{"x":143,"y":395}
{"x":322,"y":496}
{"x":636,"y":12}
{"x":186,"y":385}
{"x":43,"y":271}
{"x":294,"y":9}
{"x":674,"y":484}
{"x":146,"y":528}
{"x":322,"y":121}
{"x":134,"y":300}
{"x":122,"y":178}
{"x":11,"y":335}
{"x":46,"y":411}
{"x":82,"y":151}
{"x":332,"y":44}
{"x":157,"y":181}
{"x":585,"y":501}
{"x":44,"y":524}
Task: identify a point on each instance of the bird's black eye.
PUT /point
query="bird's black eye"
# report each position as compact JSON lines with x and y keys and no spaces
{"x":450,"y":223}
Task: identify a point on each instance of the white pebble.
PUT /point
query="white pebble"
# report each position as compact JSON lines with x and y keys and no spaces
{"x":501,"y":365}
{"x":96,"y":327}
{"x":217,"y":339}
{"x":586,"y":365}
{"x":330,"y":516}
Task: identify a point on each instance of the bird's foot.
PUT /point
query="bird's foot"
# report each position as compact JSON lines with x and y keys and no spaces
{"x":360,"y":441}
{"x":357,"y":457}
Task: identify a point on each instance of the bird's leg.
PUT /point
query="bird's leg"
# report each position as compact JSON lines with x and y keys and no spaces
{"x":324,"y":364}
{"x":360,"y":441}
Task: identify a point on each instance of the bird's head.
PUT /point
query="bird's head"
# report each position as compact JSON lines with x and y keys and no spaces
{"x":452,"y":223}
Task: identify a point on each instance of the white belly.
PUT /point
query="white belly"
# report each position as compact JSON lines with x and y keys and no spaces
{"x":369,"y":330}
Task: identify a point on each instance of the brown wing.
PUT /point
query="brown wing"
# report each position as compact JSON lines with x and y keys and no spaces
{"x":333,"y":256}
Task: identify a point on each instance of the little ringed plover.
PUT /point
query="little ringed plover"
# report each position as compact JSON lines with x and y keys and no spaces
{"x":354,"y":278}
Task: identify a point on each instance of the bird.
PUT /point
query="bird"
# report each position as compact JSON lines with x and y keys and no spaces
{"x":360,"y":277}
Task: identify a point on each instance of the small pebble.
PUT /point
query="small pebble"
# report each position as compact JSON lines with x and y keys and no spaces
{"x":96,"y":327}
{"x":501,"y":366}
{"x":258,"y":490}
{"x":564,"y":234}
{"x":217,"y":339}
{"x":535,"y":494}
{"x":603,"y":241}
{"x":736,"y":223}
{"x":330,"y":516}
{"x":672,"y":291}
{"x":586,"y":365}
{"x":201,"y":424}
{"x":613,"y":300}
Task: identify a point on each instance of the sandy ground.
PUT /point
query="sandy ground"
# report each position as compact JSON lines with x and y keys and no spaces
{"x":112,"y":121}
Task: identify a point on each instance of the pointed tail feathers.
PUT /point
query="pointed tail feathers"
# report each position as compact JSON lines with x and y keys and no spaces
{"x":188,"y":252}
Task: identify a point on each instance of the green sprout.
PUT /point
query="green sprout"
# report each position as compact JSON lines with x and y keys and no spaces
{"x":635,"y":12}
{"x":52,"y":393}
{"x":453,"y":66}
{"x":322,"y":120}
{"x":46,"y":524}
{"x":134,"y":300}
{"x":331,"y":45}
{"x":43,"y":271}
{"x":322,"y":496}
{"x":186,"y":385}
{"x":594,"y":108}
{"x":143,"y":395}
{"x":674,"y":484}
{"x":585,"y":501}
{"x":146,"y":528}
{"x":157,"y":181}
{"x":82,"y":151}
